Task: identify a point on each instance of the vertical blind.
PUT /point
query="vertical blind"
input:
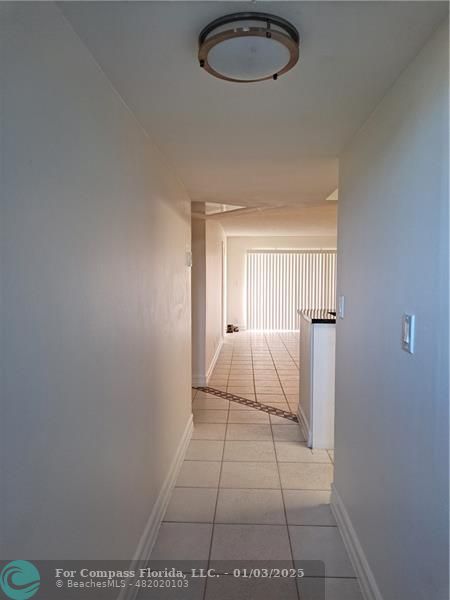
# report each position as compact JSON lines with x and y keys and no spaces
{"x":280,"y":282}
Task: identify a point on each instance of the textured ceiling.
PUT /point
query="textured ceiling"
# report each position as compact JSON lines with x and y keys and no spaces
{"x":271,"y":143}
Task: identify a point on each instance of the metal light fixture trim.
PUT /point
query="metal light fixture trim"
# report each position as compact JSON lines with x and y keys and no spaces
{"x":285,"y":33}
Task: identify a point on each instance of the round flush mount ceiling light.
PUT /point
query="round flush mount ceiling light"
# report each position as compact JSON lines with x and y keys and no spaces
{"x":249,"y":46}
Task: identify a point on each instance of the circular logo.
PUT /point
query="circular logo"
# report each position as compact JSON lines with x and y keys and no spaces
{"x":19,"y":580}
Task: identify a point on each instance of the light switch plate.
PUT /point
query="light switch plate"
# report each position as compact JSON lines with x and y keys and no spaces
{"x":408,"y":333}
{"x":341,"y":307}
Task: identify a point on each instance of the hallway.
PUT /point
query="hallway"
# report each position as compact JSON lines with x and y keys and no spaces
{"x":145,"y":205}
{"x":250,"y":489}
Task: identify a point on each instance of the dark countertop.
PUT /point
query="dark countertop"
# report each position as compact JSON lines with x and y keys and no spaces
{"x":318,"y":315}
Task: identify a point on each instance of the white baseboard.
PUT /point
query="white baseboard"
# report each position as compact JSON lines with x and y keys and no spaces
{"x":202,"y":380}
{"x":199,"y":381}
{"x":369,"y":587}
{"x":214,"y":360}
{"x":303,"y":426}
{"x":150,"y":532}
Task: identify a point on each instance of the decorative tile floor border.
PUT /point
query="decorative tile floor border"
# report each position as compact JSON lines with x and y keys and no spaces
{"x":271,"y":410}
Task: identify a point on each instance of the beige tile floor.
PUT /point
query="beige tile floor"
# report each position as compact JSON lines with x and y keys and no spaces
{"x":249,"y":488}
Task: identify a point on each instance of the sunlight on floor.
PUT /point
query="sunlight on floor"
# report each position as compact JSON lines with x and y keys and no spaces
{"x":250,"y":490}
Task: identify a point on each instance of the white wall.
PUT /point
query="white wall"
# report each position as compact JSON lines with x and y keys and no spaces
{"x":215,"y":240}
{"x":95,"y":304}
{"x":237,"y":248}
{"x":392,"y":407}
{"x":208,"y":239}
{"x":198,"y":229}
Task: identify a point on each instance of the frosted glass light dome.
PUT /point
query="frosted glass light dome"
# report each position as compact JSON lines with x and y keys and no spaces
{"x":248,"y":47}
{"x":248,"y":58}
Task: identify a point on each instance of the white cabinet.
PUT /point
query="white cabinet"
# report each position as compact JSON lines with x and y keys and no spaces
{"x":317,"y":368}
